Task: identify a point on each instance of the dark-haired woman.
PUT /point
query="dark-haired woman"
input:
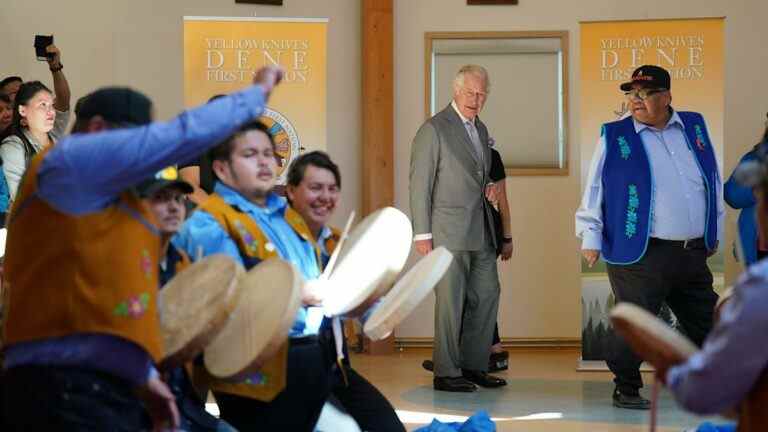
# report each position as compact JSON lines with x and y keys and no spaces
{"x":39,"y":119}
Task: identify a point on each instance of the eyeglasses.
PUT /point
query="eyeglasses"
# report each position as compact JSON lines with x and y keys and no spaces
{"x":643,"y":94}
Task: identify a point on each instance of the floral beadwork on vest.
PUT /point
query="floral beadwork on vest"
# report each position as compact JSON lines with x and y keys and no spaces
{"x":134,"y":307}
{"x":624,"y":148}
{"x":701,"y":142}
{"x":633,"y":203}
{"x":250,"y":243}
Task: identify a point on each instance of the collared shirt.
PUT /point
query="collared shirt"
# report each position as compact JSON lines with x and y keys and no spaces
{"x":325,"y":254}
{"x":85,"y":173}
{"x":202,"y":233}
{"x":679,"y":205}
{"x":734,"y":354}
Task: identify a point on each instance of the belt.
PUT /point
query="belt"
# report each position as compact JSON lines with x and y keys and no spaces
{"x":697,"y":243}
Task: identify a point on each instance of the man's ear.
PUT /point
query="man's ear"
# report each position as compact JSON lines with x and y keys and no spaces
{"x":220,"y":168}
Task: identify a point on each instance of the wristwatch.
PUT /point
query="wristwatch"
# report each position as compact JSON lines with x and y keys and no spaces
{"x":58,"y":68}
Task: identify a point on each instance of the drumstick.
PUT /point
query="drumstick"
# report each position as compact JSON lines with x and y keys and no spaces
{"x":655,"y":402}
{"x":332,"y":261}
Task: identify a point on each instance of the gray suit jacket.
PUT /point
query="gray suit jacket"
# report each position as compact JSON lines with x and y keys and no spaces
{"x":447,"y":184}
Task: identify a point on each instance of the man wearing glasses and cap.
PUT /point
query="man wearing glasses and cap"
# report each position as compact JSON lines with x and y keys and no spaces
{"x":653,"y":209}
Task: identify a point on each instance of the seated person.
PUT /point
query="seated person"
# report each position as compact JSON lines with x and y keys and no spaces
{"x":165,"y":195}
{"x":246,"y":220}
{"x":314,"y":184}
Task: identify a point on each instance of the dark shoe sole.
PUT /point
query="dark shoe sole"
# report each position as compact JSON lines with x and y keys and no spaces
{"x":640,"y":407}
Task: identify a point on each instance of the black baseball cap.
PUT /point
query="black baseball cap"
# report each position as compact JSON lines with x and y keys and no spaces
{"x":649,"y":76}
{"x":120,"y":105}
{"x":165,"y":178}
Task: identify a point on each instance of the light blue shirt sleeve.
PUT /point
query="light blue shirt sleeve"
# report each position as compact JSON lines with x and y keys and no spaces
{"x":201,"y":235}
{"x":589,"y":216}
{"x":734,"y":354}
{"x":84,"y":173}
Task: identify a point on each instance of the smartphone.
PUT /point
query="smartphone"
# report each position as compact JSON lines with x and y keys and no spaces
{"x":41,"y":42}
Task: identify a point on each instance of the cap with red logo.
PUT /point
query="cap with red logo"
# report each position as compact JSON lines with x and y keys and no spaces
{"x":649,"y":76}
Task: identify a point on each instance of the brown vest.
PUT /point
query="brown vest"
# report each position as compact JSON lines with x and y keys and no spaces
{"x":254,"y":246}
{"x":95,"y":273}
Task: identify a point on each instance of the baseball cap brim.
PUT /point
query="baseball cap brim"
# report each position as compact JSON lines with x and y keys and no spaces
{"x":158,"y":185}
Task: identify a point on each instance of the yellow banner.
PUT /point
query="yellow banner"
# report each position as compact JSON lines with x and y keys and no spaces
{"x":222,"y":54}
{"x":690,"y":49}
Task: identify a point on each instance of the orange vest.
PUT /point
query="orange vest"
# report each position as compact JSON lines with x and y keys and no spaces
{"x":68,"y":275}
{"x":254,"y":247}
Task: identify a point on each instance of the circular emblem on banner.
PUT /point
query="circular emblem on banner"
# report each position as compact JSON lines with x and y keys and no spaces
{"x":286,"y":140}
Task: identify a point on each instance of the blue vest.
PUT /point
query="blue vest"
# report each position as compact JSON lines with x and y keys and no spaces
{"x":628,"y":187}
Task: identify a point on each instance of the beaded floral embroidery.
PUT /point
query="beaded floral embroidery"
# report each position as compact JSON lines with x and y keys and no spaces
{"x":634,"y":202}
{"x":700,"y":141}
{"x":134,"y":307}
{"x":250,"y":243}
{"x":146,"y":264}
{"x":624,"y":148}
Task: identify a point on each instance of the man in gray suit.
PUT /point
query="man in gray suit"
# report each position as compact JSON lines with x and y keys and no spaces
{"x":450,"y":162}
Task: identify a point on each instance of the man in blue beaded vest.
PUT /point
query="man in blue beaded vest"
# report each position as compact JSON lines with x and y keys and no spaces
{"x":653,"y":209}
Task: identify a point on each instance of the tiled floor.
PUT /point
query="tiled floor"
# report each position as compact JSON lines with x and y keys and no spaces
{"x":545,"y":393}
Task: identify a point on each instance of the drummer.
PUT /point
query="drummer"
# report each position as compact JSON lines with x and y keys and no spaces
{"x":82,"y":331}
{"x":165,"y":194}
{"x":735,"y":355}
{"x":313,"y":190}
{"x":245,"y":219}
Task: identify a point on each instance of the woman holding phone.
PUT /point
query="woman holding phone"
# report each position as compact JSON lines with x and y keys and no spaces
{"x":39,"y":120}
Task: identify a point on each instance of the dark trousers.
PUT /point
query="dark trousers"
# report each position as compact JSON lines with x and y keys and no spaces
{"x":358,"y":397}
{"x":297,"y":407}
{"x":364,"y":403}
{"x":40,"y":398}
{"x":669,"y":273}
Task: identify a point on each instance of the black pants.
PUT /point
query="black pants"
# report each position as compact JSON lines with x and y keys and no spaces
{"x":297,"y":407}
{"x":40,"y":398}
{"x":358,"y":397}
{"x":669,"y":273}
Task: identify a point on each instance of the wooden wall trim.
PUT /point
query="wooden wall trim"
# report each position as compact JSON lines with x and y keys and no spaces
{"x":378,"y":123}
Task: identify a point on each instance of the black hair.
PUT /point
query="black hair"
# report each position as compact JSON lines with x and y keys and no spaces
{"x":317,"y":159}
{"x":4,"y":98}
{"x":223,"y":151}
{"x":27,"y":91}
{"x":10,"y":79}
{"x":765,"y":132}
{"x":214,"y":97}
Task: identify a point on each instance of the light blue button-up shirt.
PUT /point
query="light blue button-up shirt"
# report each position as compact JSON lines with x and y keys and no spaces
{"x":680,"y":203}
{"x":202,"y":233}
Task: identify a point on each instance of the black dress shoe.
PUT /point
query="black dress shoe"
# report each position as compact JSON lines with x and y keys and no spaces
{"x":483,"y":379}
{"x":428,"y":365}
{"x":621,"y":400}
{"x":453,"y":384}
{"x":498,"y":361}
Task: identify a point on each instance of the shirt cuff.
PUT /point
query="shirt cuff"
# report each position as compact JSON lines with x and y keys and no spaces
{"x":592,"y":240}
{"x":427,"y":236}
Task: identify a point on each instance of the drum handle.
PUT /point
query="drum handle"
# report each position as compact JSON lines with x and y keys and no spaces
{"x":655,"y":402}
{"x":335,"y":255}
